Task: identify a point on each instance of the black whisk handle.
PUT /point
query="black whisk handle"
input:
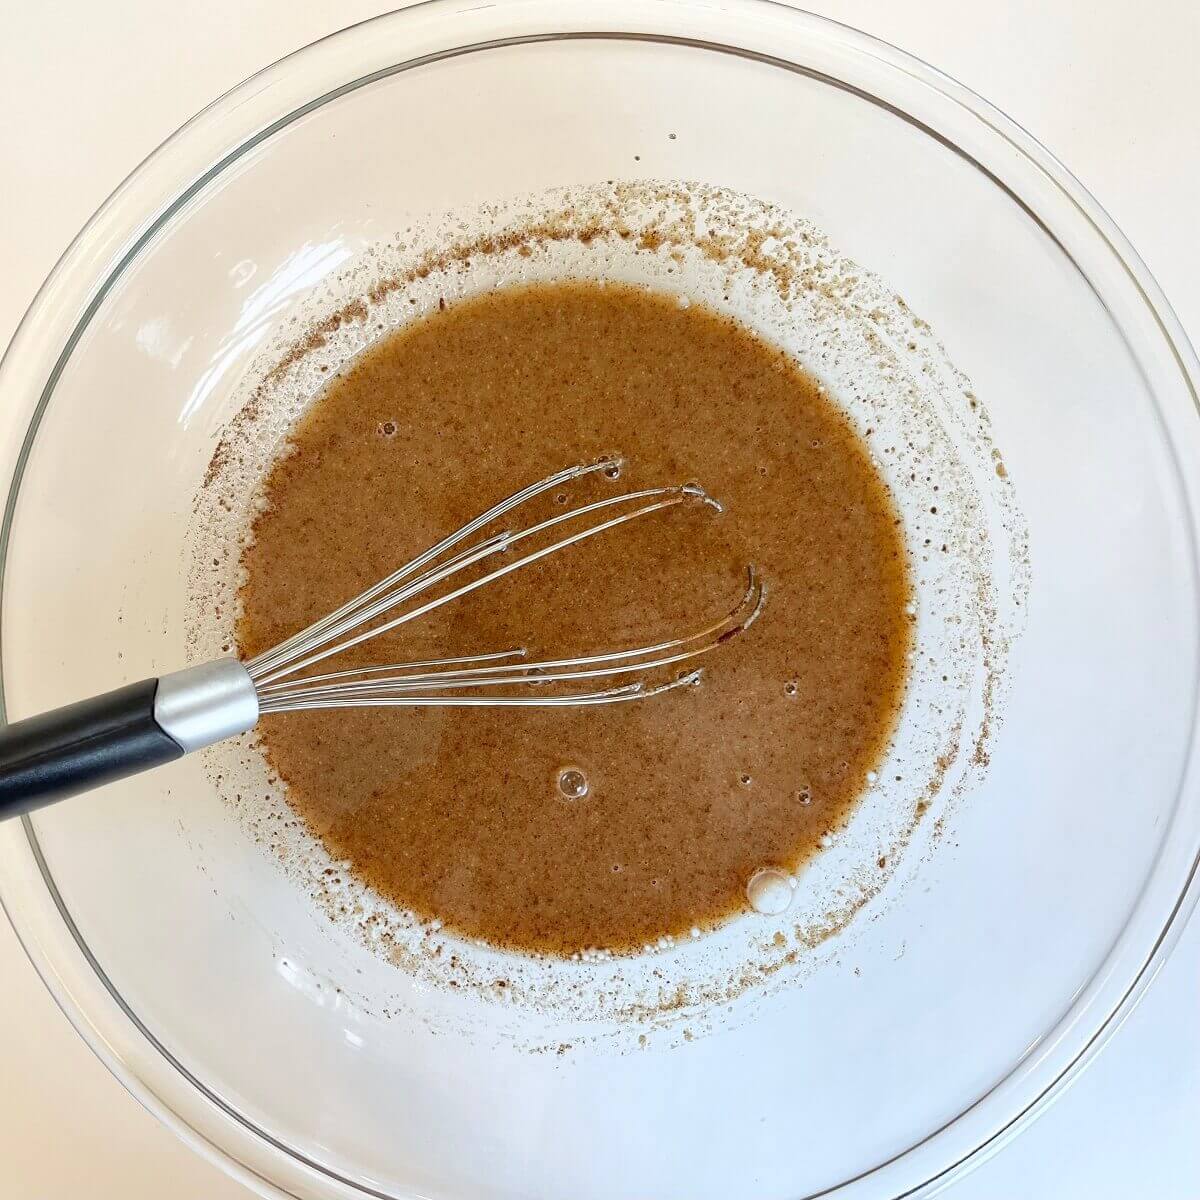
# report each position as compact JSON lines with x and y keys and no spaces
{"x":68,"y":750}
{"x":143,"y":725}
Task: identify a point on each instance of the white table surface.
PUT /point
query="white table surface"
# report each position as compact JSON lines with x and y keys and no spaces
{"x":87,"y":90}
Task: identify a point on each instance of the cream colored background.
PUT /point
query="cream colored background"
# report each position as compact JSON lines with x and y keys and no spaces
{"x":87,"y":90}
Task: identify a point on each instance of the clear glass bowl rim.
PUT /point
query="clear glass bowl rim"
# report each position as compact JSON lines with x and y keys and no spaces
{"x":181,"y":168}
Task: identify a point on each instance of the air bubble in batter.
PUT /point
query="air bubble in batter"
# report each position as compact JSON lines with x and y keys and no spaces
{"x":572,"y":783}
{"x":769,"y":891}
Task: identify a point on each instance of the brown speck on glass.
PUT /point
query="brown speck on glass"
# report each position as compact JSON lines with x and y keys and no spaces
{"x":453,"y":813}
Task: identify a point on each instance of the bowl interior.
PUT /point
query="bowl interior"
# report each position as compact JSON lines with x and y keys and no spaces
{"x":1053,"y":877}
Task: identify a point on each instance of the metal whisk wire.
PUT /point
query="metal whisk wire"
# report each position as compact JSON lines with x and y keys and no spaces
{"x":281,"y":689}
{"x":313,"y":634}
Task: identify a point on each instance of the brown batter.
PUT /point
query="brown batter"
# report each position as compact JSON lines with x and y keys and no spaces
{"x":457,"y":813}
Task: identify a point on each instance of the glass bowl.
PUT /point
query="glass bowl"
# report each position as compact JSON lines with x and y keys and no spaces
{"x":949,"y":1013}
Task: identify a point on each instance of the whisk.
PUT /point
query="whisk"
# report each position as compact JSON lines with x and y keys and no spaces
{"x":143,"y":725}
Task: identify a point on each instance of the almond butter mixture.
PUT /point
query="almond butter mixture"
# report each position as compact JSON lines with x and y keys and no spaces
{"x":458,"y":813}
